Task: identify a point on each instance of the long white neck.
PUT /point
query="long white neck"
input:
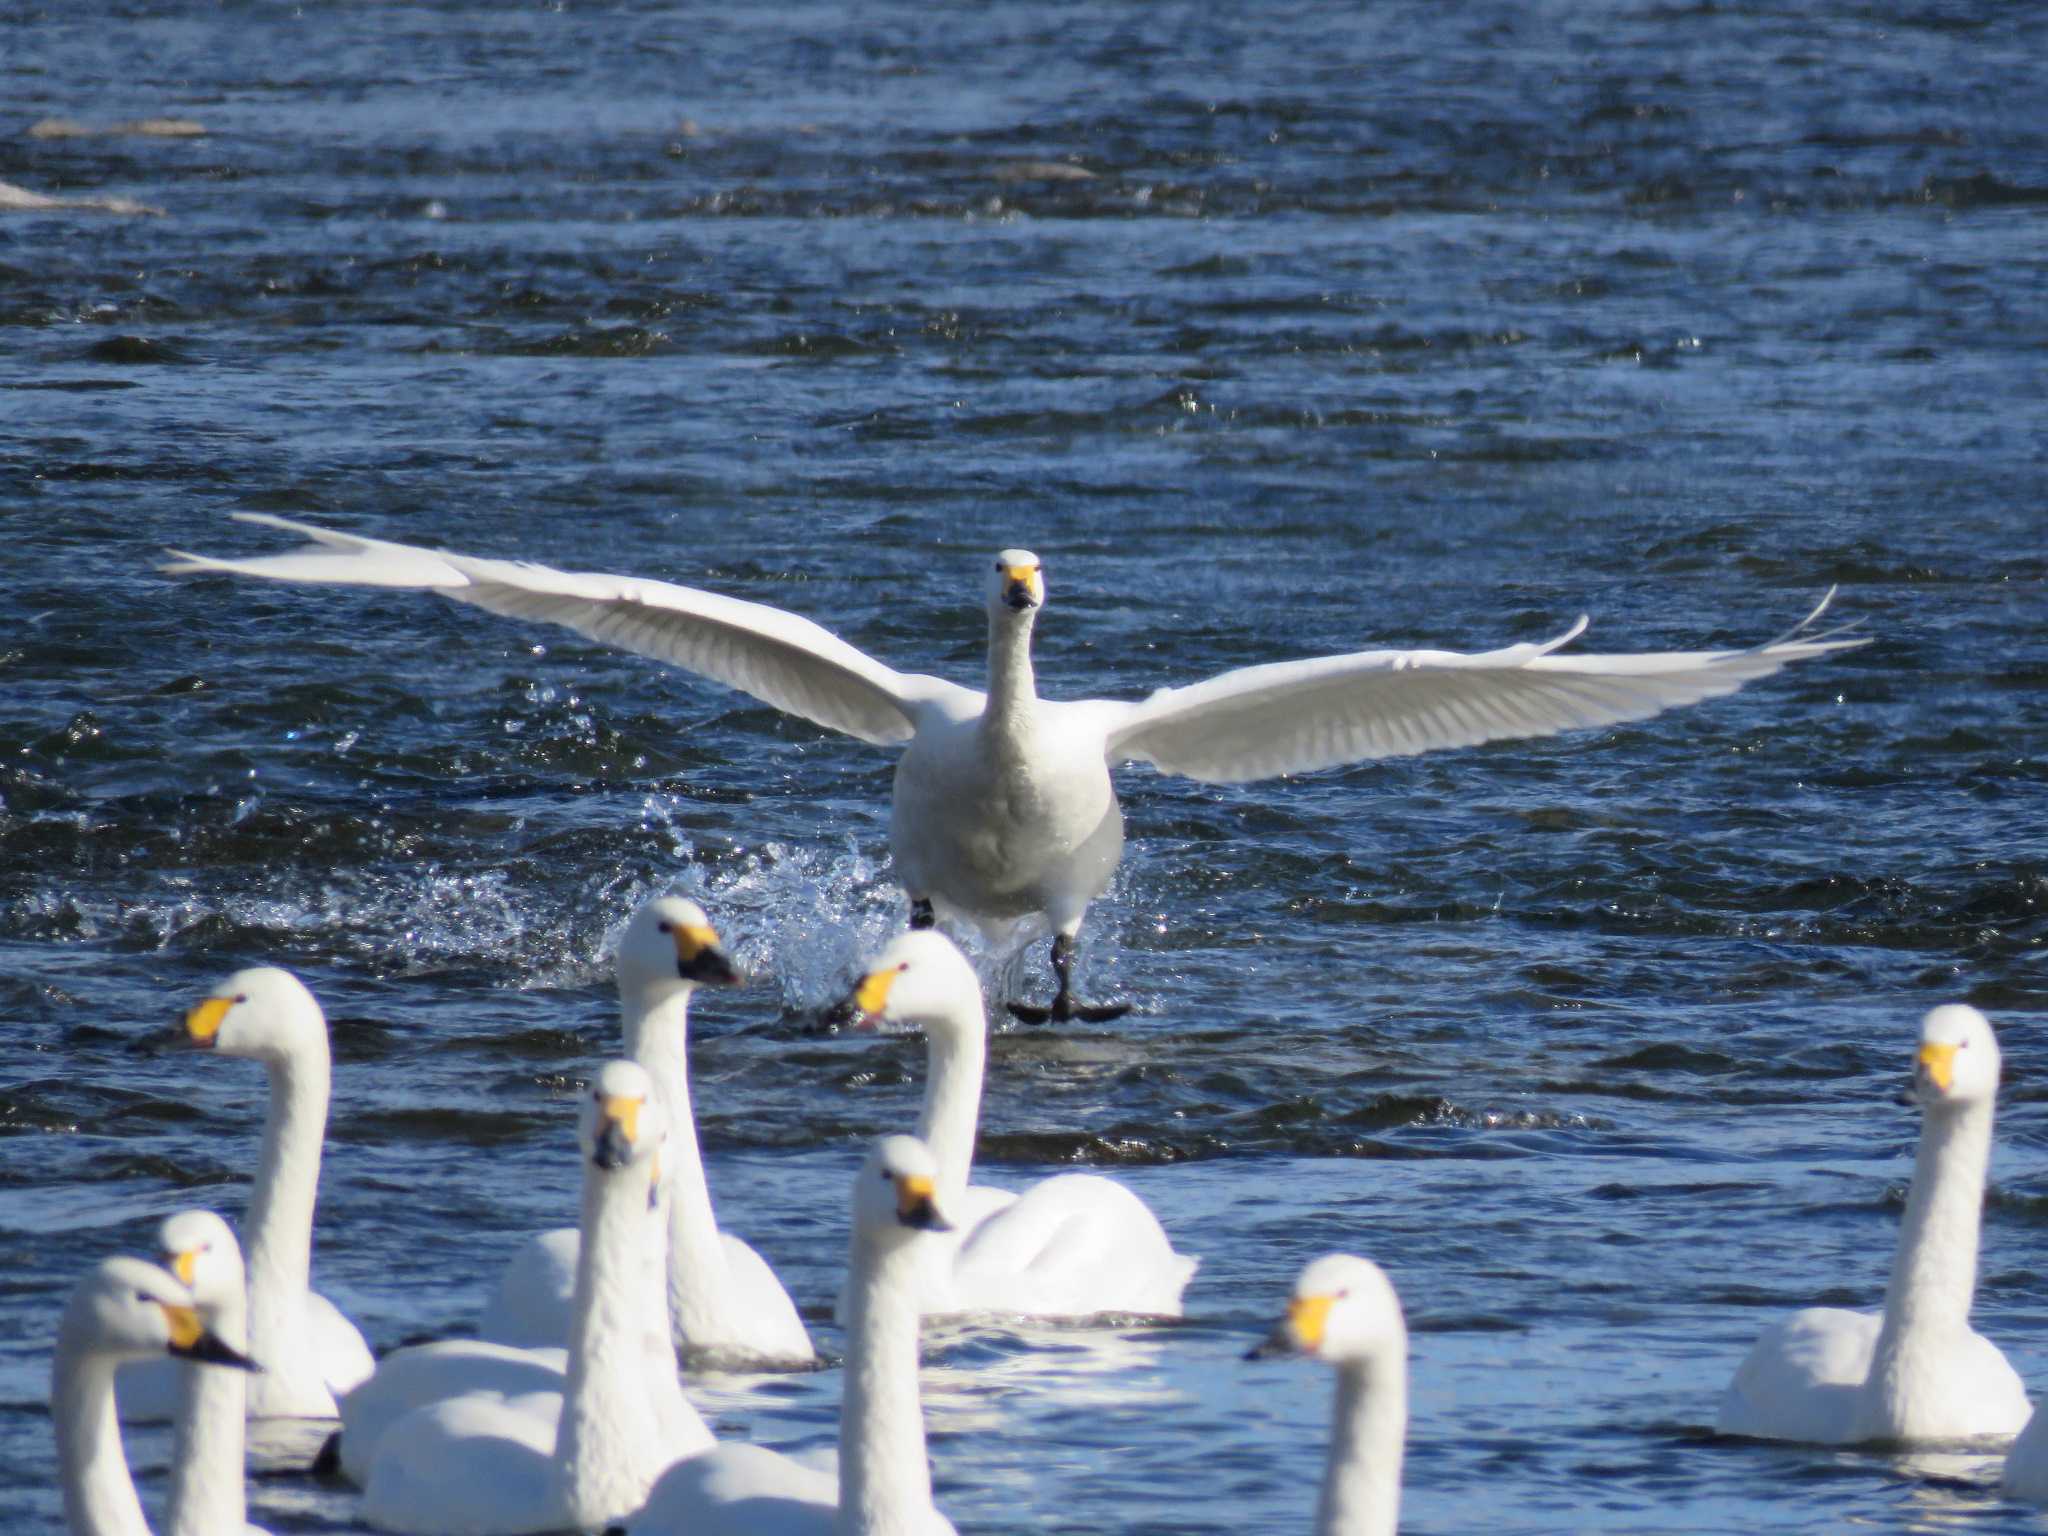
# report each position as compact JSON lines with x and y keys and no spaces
{"x":1934,"y":1277}
{"x":279,"y":1227}
{"x":1362,"y":1482}
{"x":605,"y":1456}
{"x":885,"y":1483}
{"x":208,"y":1489}
{"x":657,"y":1033}
{"x":1012,"y":687}
{"x":99,"y":1495}
{"x":956,"y":1053}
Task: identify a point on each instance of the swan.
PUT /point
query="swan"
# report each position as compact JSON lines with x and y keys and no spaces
{"x":493,"y":1463}
{"x":725,"y":1306}
{"x":1003,"y":811}
{"x":1916,"y":1371}
{"x":1073,"y":1245}
{"x":1345,"y":1311}
{"x":124,"y":1309}
{"x":537,"y":1379}
{"x":311,"y":1354}
{"x":208,"y":1480}
{"x":883,"y":1486}
{"x":2026,"y":1464}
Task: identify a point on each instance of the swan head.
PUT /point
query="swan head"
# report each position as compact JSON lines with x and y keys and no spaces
{"x":920,"y":981}
{"x":200,"y":1249}
{"x":670,"y":945}
{"x":1344,"y":1309}
{"x":131,"y":1310}
{"x":1016,"y":585}
{"x":897,"y":1193}
{"x":620,"y":1125}
{"x":264,"y":1013}
{"x":1958,"y":1058}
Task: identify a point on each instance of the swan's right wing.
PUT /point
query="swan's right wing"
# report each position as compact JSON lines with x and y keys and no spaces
{"x":782,"y":660}
{"x":1294,"y":716}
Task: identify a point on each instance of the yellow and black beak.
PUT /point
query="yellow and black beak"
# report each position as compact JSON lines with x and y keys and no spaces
{"x":1300,"y":1332}
{"x":1937,"y":1063}
{"x":1023,"y":587}
{"x":702,"y":959}
{"x":862,"y":1008}
{"x":202,"y":1023}
{"x":191,"y":1340}
{"x":618,"y":1132}
{"x":185,"y":1265}
{"x":917,"y":1204}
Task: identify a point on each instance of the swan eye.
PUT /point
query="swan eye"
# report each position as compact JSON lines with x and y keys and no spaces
{"x":666,"y":927}
{"x":241,"y":997}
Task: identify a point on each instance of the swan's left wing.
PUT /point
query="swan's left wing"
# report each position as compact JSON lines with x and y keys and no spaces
{"x":1293,"y":716}
{"x":780,"y":658}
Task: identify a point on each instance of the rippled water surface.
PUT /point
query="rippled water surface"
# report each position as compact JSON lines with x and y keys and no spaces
{"x":1276,"y":331}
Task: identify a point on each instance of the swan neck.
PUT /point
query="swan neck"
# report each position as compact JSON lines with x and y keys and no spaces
{"x":885,"y":1482}
{"x":280,"y":1222}
{"x":1012,"y":686}
{"x":658,"y":1038}
{"x":955,"y":1058}
{"x":99,"y":1495}
{"x":1934,"y":1276}
{"x":1362,"y":1482}
{"x":603,"y":1458}
{"x":208,"y":1492}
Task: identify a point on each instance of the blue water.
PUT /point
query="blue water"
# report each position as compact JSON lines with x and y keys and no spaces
{"x":1275,"y":332}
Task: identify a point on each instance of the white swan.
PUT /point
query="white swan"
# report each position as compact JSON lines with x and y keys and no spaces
{"x":489,"y":1464}
{"x":209,"y":1495}
{"x":1004,"y":809}
{"x":1916,"y":1371}
{"x":725,"y":1306}
{"x":1345,"y":1311}
{"x":311,"y":1354}
{"x":123,"y":1309}
{"x":2026,"y":1464}
{"x":884,"y":1484}
{"x":1073,"y":1245}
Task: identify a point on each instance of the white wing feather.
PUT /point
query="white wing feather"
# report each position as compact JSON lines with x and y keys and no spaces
{"x":1294,"y":716}
{"x":779,"y":658}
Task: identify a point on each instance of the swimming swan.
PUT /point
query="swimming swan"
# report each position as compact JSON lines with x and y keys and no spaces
{"x":884,"y":1483}
{"x":209,"y":1479}
{"x":493,"y":1464}
{"x":1345,"y":1311}
{"x":123,"y":1309}
{"x":1073,"y":1245}
{"x":1916,"y":1371}
{"x":311,"y":1354}
{"x":1004,"y":809}
{"x":725,"y":1306}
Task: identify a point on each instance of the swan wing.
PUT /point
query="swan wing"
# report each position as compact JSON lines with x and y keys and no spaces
{"x":1071,"y":1246}
{"x":766,"y":1319}
{"x":467,"y":1466}
{"x":345,"y":1358}
{"x":782,"y":660}
{"x":739,"y":1490}
{"x":536,"y":1293}
{"x":1800,"y":1381}
{"x":1294,"y":716}
{"x":410,"y":1378}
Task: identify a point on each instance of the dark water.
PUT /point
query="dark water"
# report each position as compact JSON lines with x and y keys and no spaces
{"x":1275,"y":332}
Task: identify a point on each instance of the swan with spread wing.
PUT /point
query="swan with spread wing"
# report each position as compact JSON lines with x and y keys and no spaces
{"x":1004,"y":811}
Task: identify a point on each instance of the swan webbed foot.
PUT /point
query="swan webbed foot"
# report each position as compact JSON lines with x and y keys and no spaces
{"x":1064,"y":1008}
{"x":921,"y":913}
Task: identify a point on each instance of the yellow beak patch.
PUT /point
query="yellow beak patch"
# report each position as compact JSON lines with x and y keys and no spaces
{"x":185,"y":1265}
{"x":1307,"y":1316}
{"x":1939,"y":1063}
{"x":185,"y":1325}
{"x":203,"y":1022}
{"x":872,"y":995}
{"x":625,"y":1112}
{"x":911,"y":1190}
{"x":692,"y":939}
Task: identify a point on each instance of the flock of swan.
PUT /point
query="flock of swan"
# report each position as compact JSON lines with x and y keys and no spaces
{"x":568,"y":1411}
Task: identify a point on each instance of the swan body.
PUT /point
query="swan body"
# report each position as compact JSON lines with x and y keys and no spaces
{"x":124,"y":1309}
{"x":1916,"y":1371}
{"x":2026,"y":1464}
{"x":311,"y":1353}
{"x":493,"y":1463}
{"x":1345,"y":1311}
{"x":1074,"y":1245}
{"x":209,"y":1493}
{"x":1003,"y":808}
{"x":883,"y":1484}
{"x":725,"y":1306}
